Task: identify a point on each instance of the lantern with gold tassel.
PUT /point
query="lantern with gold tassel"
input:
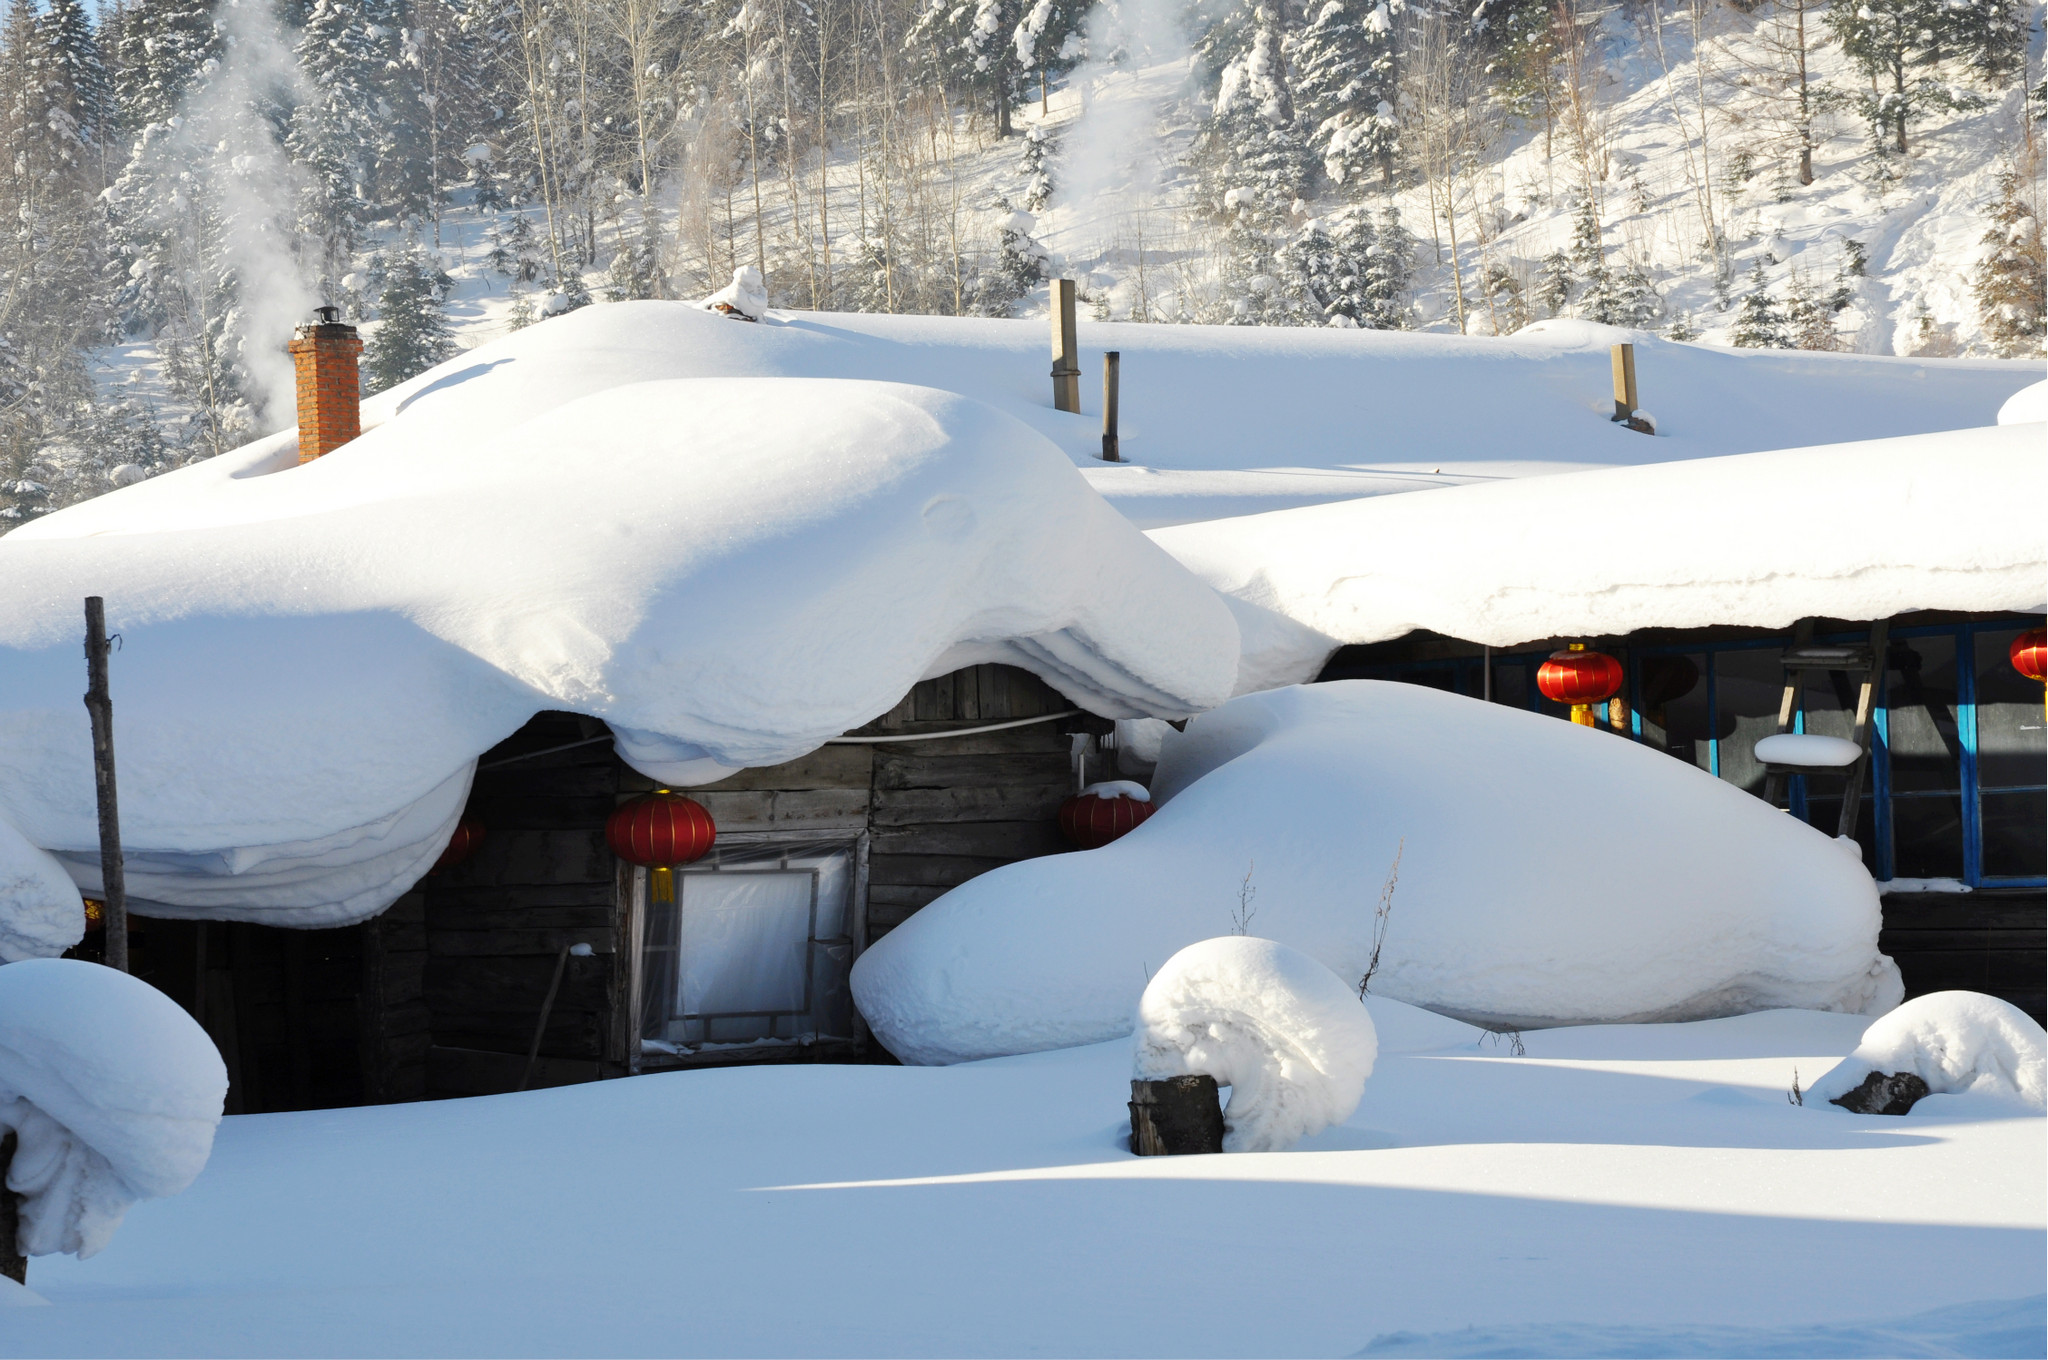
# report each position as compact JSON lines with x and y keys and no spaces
{"x":1580,"y":678}
{"x":2029,"y":656}
{"x":658,"y":831}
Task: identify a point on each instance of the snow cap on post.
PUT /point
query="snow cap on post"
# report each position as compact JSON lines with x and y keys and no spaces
{"x":114,"y":1091}
{"x":329,"y":386}
{"x":1289,"y":1037}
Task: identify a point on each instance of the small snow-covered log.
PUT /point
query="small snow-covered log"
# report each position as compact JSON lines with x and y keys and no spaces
{"x":113,"y":1091}
{"x":1954,"y":1042}
{"x":1176,"y":1117}
{"x":1288,"y":1036}
{"x":746,"y":295}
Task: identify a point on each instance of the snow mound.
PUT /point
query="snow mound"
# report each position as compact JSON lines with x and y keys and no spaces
{"x":726,"y":571}
{"x":1549,"y":874}
{"x":746,"y":294}
{"x":1808,"y":748}
{"x":1959,"y":1043}
{"x":1600,"y":553}
{"x":1289,"y":1038}
{"x":2025,"y":406}
{"x":114,"y":1091}
{"x":41,"y":913}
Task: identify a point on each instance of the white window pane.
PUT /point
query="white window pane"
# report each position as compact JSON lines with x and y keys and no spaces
{"x":743,"y":942}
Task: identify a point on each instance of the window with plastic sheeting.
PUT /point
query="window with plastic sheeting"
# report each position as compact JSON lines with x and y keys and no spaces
{"x":755,"y":950}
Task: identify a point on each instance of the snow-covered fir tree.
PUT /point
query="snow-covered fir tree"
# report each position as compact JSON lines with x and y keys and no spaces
{"x":1554,"y":283}
{"x":972,"y":48}
{"x":412,"y":333}
{"x":1036,"y":166}
{"x":1759,"y":324}
{"x":1019,"y":264}
{"x":1344,"y":65}
{"x":2012,"y":278}
{"x":1896,"y":44}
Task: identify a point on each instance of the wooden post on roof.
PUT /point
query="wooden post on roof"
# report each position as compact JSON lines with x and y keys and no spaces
{"x":1066,"y":349}
{"x":1624,"y":383}
{"x":100,"y":705}
{"x":1112,"y":365}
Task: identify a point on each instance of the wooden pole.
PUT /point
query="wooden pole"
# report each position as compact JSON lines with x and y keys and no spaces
{"x":546,"y":1007}
{"x":100,"y":705}
{"x":1624,"y":357}
{"x":1112,"y":364}
{"x":12,"y":1263}
{"x":1066,"y":349}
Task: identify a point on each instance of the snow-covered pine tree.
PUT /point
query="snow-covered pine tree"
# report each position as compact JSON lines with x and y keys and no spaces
{"x":1344,"y":73}
{"x":1896,"y":44}
{"x":1019,"y":264}
{"x":412,"y":334}
{"x":969,"y":46}
{"x":1989,"y":37}
{"x":1048,"y":42}
{"x":636,"y":270}
{"x":1036,"y":166}
{"x":1389,"y":270}
{"x":163,"y":46}
{"x":1599,"y":299}
{"x":344,"y":51}
{"x":1256,"y":161}
{"x":1634,"y":298}
{"x":1555,"y":282}
{"x":2013,"y":275}
{"x":1809,"y":320}
{"x":1759,"y":324}
{"x":78,"y":94}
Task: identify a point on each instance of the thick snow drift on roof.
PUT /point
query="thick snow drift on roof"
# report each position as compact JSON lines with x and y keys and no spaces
{"x":41,"y":913}
{"x":114,"y":1091}
{"x":727,"y":571}
{"x":1552,"y":874}
{"x":1291,"y":1039}
{"x":1959,"y":1043}
{"x":1851,"y":531}
{"x":1225,"y":420}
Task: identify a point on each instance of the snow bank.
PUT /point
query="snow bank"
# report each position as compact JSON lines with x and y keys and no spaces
{"x":1289,"y":1038}
{"x":114,"y":1091}
{"x":727,"y":571}
{"x":2026,"y":406}
{"x":41,"y":913}
{"x":1549,"y":874}
{"x":1957,"y":1042}
{"x":1678,"y":545}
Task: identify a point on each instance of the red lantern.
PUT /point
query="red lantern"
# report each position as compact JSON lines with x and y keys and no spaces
{"x":1580,"y":678}
{"x":659,"y":830}
{"x":469,"y":834}
{"x":2029,"y":653}
{"x":1091,"y":820}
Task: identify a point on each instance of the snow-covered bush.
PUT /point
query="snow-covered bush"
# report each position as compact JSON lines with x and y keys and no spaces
{"x":1552,"y":874}
{"x":114,"y":1092}
{"x":1289,"y":1038}
{"x":1957,"y":1042}
{"x":41,"y":913}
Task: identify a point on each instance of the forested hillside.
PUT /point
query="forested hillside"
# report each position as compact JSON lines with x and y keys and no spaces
{"x":188,"y":178}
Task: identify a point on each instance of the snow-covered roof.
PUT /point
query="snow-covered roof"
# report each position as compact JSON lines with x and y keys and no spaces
{"x":728,"y":571}
{"x":1852,"y":531}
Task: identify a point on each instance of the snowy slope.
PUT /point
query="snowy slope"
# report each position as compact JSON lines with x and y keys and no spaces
{"x":1849,"y":531}
{"x":737,"y":570}
{"x":1650,"y":1177}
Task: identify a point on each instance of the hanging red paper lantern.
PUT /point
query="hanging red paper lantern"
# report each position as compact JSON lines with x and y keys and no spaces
{"x":469,"y":834}
{"x":1580,"y":678}
{"x":2029,"y":653}
{"x":658,"y":831}
{"x":1095,"y":818}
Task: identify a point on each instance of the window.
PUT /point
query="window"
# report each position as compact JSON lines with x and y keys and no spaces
{"x":754,"y":951}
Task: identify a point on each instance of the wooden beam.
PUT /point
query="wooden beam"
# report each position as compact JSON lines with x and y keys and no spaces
{"x":99,"y":704}
{"x":1624,"y":357}
{"x":1066,"y":349}
{"x":1112,"y":365}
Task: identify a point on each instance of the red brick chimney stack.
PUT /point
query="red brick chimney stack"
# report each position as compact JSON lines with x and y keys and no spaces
{"x":330,"y":394}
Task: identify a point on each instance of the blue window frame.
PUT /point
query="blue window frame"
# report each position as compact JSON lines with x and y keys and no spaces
{"x":1957,"y":786}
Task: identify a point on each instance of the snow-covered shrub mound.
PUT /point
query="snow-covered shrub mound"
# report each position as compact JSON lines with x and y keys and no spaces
{"x":1489,"y":562}
{"x":1549,"y":874}
{"x":1289,"y":1038}
{"x":41,"y":913}
{"x":1958,"y":1043}
{"x":2026,"y":406}
{"x":114,"y":1092}
{"x":727,"y":571}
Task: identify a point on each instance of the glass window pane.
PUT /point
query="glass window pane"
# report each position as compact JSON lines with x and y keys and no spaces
{"x":2010,"y":748}
{"x":744,"y":942}
{"x":2013,"y":834}
{"x":1673,"y":694}
{"x":1824,"y":814}
{"x":1927,"y":836}
{"x":1511,"y":684}
{"x":1920,"y":701}
{"x":1748,"y":686}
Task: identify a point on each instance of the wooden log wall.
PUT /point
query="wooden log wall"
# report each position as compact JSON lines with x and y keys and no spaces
{"x":481,"y":938}
{"x":1991,"y":941}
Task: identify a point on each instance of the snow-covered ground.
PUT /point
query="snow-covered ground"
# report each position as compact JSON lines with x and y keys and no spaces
{"x":1653,"y":1179}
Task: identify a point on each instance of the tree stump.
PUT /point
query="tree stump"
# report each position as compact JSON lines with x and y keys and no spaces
{"x":1884,"y":1093}
{"x":1177,"y":1116}
{"x":12,"y":1263}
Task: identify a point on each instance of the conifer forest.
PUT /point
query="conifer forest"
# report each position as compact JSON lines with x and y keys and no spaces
{"x":186,"y":179}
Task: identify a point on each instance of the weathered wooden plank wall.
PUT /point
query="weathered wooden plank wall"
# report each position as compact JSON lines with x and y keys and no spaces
{"x":1991,"y":941}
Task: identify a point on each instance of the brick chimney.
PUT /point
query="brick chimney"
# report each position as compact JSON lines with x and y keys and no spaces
{"x":330,"y":395}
